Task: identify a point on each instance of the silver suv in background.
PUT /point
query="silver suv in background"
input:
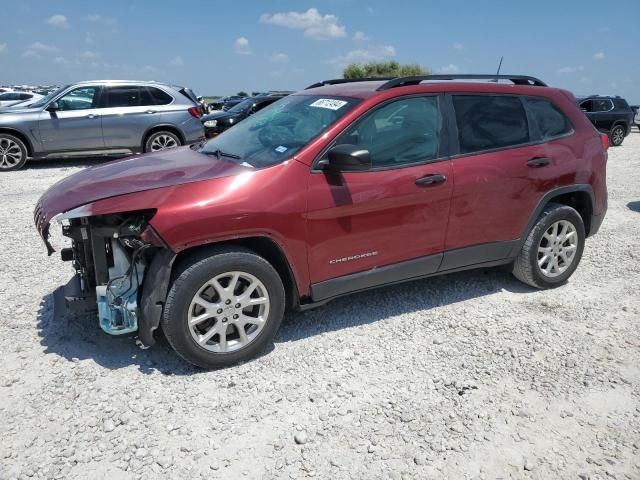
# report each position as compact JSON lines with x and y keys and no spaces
{"x":106,"y":117}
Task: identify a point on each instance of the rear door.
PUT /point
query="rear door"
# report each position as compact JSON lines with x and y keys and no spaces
{"x":130,"y":110}
{"x":603,"y":114}
{"x":76,"y":125}
{"x":501,"y":169}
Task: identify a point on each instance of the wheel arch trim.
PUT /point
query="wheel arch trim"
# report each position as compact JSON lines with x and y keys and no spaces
{"x":163,"y":126}
{"x":22,"y":136}
{"x":546,"y":198}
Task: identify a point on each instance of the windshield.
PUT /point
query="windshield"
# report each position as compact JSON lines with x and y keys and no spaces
{"x":243,"y":106}
{"x":277,"y":132}
{"x":43,"y":101}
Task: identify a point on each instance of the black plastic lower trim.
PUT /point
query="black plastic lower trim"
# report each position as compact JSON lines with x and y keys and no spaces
{"x":487,"y":252}
{"x":375,"y":277}
{"x":154,"y":294}
{"x":476,"y":256}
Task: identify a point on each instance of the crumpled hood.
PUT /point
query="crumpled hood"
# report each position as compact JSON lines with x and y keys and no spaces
{"x":132,"y":174}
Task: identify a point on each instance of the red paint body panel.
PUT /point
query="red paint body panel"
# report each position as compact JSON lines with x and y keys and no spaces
{"x":316,"y":217}
{"x":383,"y":212}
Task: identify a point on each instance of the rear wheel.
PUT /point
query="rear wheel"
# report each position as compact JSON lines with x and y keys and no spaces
{"x":162,"y":140}
{"x":224,"y":306}
{"x":553,"y":248}
{"x":616,"y":136}
{"x":13,"y":153}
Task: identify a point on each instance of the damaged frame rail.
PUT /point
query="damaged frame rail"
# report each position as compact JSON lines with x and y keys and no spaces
{"x":122,"y":269}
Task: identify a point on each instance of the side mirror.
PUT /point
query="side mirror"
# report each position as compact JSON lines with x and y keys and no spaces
{"x":348,"y":158}
{"x":53,"y":107}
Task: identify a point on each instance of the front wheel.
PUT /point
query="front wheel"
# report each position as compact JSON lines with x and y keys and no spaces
{"x":223,"y":307}
{"x":162,"y":140}
{"x":13,"y":153}
{"x":553,"y":248}
{"x":617,"y":135}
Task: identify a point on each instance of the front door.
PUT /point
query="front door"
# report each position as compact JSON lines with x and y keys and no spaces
{"x":394,"y":212}
{"x":76,"y":124}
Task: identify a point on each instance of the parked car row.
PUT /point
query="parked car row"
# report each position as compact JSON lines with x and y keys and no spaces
{"x":8,"y":99}
{"x":609,"y":114}
{"x":394,"y":180}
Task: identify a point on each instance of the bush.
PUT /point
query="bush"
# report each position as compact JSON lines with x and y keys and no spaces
{"x":383,"y":69}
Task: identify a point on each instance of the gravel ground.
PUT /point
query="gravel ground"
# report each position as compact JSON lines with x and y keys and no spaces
{"x":471,"y":375}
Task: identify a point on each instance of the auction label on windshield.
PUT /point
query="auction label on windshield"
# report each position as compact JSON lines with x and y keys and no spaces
{"x":328,"y":103}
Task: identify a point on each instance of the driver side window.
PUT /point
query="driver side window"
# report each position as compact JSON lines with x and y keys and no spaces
{"x":402,"y":132}
{"x":82,"y":98}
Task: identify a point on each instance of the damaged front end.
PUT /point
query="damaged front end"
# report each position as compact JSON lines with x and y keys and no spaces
{"x":122,"y":268}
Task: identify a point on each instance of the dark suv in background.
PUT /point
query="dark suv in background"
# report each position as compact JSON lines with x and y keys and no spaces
{"x":611,"y":115}
{"x":217,"y":122}
{"x":105,"y":117}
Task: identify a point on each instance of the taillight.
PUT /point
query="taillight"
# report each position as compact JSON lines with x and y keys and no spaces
{"x":195,"y":111}
{"x":605,"y":141}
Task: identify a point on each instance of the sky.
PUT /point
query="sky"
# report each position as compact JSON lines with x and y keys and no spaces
{"x":222,"y":47}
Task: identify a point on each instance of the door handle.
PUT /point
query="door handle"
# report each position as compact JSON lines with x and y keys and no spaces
{"x":150,"y":111}
{"x":538,"y":162}
{"x":431,"y":180}
{"x":92,"y":115}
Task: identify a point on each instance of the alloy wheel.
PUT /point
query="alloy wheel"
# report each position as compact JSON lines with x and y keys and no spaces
{"x":163,"y":142}
{"x":10,"y":153}
{"x":228,"y":312}
{"x":557,"y":248}
{"x":617,"y":136}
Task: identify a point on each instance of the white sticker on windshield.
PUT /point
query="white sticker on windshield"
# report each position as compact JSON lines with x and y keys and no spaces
{"x":281,"y":149}
{"x":328,"y":103}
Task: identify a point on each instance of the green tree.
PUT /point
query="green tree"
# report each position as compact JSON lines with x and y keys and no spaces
{"x":242,"y":93}
{"x":383,"y":69}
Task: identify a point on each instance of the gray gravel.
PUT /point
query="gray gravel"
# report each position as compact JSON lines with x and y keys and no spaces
{"x":467,"y":376}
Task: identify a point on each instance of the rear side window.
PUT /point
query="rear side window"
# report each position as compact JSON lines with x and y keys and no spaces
{"x":602,"y":105}
{"x":128,"y":96}
{"x":487,"y":122}
{"x":550,"y":120}
{"x":155,"y":96}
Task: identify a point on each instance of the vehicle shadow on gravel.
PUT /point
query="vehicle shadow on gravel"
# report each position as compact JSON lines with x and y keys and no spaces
{"x":409,"y":297}
{"x":634,"y":206}
{"x":79,"y":337}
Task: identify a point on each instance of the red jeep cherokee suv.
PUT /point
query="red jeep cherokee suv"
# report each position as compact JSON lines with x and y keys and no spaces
{"x":339,"y":188}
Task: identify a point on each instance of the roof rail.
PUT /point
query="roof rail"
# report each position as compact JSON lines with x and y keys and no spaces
{"x":338,"y":81}
{"x":416,"y":79}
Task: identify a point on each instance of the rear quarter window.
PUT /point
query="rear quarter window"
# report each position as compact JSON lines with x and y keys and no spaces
{"x":551,"y":122}
{"x":489,"y":122}
{"x":155,"y":96}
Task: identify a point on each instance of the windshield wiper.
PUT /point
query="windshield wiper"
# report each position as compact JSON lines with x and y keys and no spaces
{"x":219,"y":153}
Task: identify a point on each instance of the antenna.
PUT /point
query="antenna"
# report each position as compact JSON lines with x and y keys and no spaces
{"x":499,"y":66}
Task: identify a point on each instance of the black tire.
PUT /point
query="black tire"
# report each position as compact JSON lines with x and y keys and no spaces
{"x":526,"y":268}
{"x":160,"y":135}
{"x":616,"y":135}
{"x":9,"y":144}
{"x":189,"y":278}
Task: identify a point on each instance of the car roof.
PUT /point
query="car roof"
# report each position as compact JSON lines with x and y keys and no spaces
{"x":364,"y":91}
{"x":365,"y":88}
{"x":110,"y":82}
